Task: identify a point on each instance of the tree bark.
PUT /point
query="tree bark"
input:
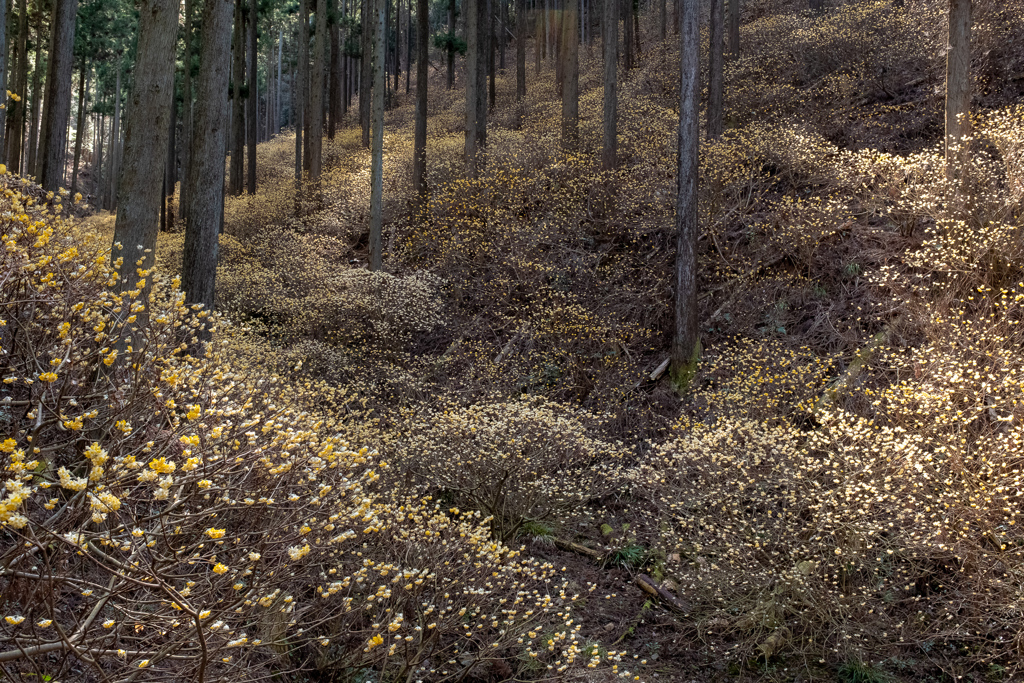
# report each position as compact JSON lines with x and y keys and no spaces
{"x":237,"y":165}
{"x":37,"y":102}
{"x":170,"y":173}
{"x":419,"y":158}
{"x":685,"y":341}
{"x":299,"y":96}
{"x":571,"y":76}
{"x":958,"y":86}
{"x":113,"y":156}
{"x":186,"y":112}
{"x":145,"y":145}
{"x":627,"y":33}
{"x":334,"y":91}
{"x":80,"y":130}
{"x":716,"y":76}
{"x":492,"y":93}
{"x":58,"y":94}
{"x":16,"y":126}
{"x":734,"y":28}
{"x":252,"y":101}
{"x":206,"y":173}
{"x":3,"y":77}
{"x":609,"y":150}
{"x":521,"y":36}
{"x":662,"y":19}
{"x":472,"y":84}
{"x":451,"y":50}
{"x":365,"y":63}
{"x":316,"y":100}
{"x":377,"y":151}
{"x":538,"y":47}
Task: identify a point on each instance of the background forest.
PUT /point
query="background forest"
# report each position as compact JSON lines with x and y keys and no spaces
{"x":655,"y":340}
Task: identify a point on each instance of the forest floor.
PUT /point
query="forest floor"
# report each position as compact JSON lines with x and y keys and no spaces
{"x":825,"y":270}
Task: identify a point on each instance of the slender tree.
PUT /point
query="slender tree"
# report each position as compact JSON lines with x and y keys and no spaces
{"x":186,"y":112}
{"x":662,"y":19}
{"x":58,"y":94}
{"x":316,"y":100}
{"x":3,"y":74}
{"x":252,"y":101}
{"x":171,"y":167}
{"x":145,"y":142}
{"x":236,"y":181}
{"x":628,"y":51}
{"x":473,"y":86}
{"x":298,"y":104}
{"x":734,"y":28}
{"x":32,"y":165}
{"x":113,"y":154}
{"x":377,"y":150}
{"x":958,"y":84}
{"x":571,"y":76}
{"x":521,"y":34}
{"x":334,"y":91}
{"x":716,"y":77}
{"x":365,"y":62}
{"x":80,"y":126}
{"x":611,"y":100}
{"x":685,"y":341}
{"x":206,"y":173}
{"x":15,"y":130}
{"x":451,"y":44}
{"x":419,"y":159}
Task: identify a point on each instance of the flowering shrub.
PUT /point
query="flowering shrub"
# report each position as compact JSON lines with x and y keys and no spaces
{"x":520,"y":461}
{"x":189,"y":516}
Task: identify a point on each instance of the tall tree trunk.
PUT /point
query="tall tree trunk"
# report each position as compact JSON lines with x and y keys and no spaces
{"x":716,"y":77}
{"x":113,"y":156}
{"x":299,"y":95}
{"x":37,"y":102}
{"x":609,"y":150}
{"x":626,"y":12}
{"x":451,"y":51}
{"x":82,"y":88}
{"x":484,"y":47}
{"x":662,"y":19}
{"x":170,"y":172}
{"x":277,"y":91}
{"x":186,"y":113}
{"x":377,"y":151}
{"x":734,"y":28}
{"x":472,"y":83}
{"x":571,"y":76}
{"x":685,"y":340}
{"x":408,"y":44}
{"x":58,"y":94}
{"x":145,"y":144}
{"x":16,"y":125}
{"x":334,"y":91}
{"x":206,"y":173}
{"x":316,"y":101}
{"x":521,"y":36}
{"x":958,"y":86}
{"x":538,"y":47}
{"x":492,"y":93}
{"x":3,"y":77}
{"x":97,"y":164}
{"x":502,"y":23}
{"x":237,"y":166}
{"x":419,"y":155}
{"x":365,"y":62}
{"x":252,"y":100}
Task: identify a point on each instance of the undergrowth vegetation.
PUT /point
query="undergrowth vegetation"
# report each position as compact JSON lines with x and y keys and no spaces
{"x":343,"y":481}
